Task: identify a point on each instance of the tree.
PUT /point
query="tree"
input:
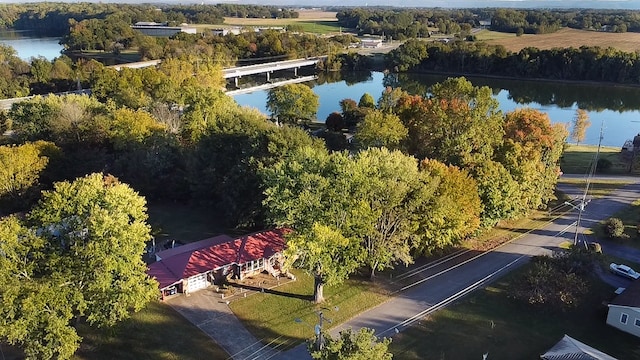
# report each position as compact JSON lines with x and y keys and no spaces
{"x":376,"y":197}
{"x":580,"y":125}
{"x":531,"y":152}
{"x":389,"y":197}
{"x":459,"y":123}
{"x":350,"y":345}
{"x":334,"y":122}
{"x":454,"y":213}
{"x":379,"y":129}
{"x":325,"y":253}
{"x":77,"y":257}
{"x":20,"y":169}
{"x":292,"y":103}
{"x":367,"y":101}
{"x":614,"y":228}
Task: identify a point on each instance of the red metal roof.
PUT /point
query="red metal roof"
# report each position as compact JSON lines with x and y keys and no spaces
{"x":247,"y":248}
{"x":193,"y":246}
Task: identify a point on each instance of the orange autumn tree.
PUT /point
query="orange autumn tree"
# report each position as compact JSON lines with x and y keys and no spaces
{"x":531,"y":152}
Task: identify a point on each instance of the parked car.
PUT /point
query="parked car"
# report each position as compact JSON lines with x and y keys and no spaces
{"x":624,"y":270}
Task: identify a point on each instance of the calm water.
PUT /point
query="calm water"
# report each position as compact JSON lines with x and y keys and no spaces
{"x":27,"y":46}
{"x":617,"y":108}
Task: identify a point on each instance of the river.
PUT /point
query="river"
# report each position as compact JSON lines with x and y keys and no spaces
{"x":28,"y":46}
{"x":617,"y":109}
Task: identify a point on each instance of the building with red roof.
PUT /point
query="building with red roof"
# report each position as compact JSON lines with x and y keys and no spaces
{"x":198,"y":265}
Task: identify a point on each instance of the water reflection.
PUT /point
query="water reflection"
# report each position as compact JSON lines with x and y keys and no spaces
{"x":614,"y":106}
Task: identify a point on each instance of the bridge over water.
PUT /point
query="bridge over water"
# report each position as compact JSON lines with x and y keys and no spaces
{"x":229,"y":73}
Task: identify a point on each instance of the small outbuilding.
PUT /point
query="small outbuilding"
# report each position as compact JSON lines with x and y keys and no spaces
{"x":195,"y":266}
{"x":624,"y":310}
{"x":571,"y":349}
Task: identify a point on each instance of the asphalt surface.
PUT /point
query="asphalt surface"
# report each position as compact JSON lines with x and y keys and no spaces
{"x":436,"y":292}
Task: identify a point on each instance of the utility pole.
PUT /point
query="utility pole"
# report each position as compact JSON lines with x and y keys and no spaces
{"x":592,"y":171}
{"x":319,"y":331}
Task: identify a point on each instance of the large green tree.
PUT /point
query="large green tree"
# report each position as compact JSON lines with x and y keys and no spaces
{"x":292,"y":104}
{"x":78,"y":257}
{"x":375,"y":197}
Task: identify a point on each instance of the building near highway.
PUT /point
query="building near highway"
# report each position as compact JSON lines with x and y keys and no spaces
{"x":162,"y":29}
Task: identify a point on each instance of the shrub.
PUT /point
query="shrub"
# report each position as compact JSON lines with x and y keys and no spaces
{"x":614,"y":228}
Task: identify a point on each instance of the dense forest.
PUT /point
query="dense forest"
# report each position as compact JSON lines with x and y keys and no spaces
{"x":409,"y":23}
{"x":582,"y":64}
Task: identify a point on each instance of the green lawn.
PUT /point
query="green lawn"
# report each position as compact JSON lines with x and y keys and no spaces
{"x":488,"y":321}
{"x":272,"y":317}
{"x":491,"y":35}
{"x":577,"y":159}
{"x":157,"y":332}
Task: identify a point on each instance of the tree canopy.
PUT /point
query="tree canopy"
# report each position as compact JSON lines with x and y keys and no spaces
{"x":78,"y":256}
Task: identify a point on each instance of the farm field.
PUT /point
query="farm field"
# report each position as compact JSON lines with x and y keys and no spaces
{"x":564,"y":38}
{"x":310,"y":21}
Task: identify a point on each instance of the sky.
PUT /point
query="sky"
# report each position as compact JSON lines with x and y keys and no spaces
{"x":596,"y":4}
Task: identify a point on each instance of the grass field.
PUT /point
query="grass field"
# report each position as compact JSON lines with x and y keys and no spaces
{"x":565,"y":38}
{"x":272,"y":318}
{"x":489,"y":321}
{"x":157,"y":332}
{"x":577,"y":159}
{"x":320,"y":22}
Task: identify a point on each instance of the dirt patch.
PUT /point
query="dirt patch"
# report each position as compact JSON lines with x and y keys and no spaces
{"x":566,"y":37}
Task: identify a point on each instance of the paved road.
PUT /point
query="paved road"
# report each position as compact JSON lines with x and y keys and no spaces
{"x":401,"y":311}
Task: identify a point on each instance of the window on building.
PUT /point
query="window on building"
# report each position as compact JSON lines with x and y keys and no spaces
{"x":623,"y":318}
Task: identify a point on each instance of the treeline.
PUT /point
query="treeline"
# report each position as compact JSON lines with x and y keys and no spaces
{"x":582,"y":64}
{"x":52,"y":19}
{"x":410,"y":23}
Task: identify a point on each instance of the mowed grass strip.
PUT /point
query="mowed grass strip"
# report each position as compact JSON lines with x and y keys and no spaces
{"x":490,"y":322}
{"x":577,"y":159}
{"x":157,"y":332}
{"x":272,"y":317}
{"x":565,"y":37}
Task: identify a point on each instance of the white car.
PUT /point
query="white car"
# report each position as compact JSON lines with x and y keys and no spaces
{"x":624,"y":270}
